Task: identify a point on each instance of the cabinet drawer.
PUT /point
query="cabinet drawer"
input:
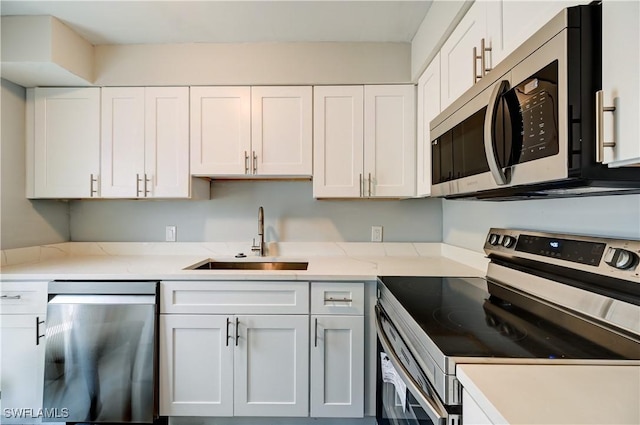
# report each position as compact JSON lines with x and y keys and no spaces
{"x":346,"y":298}
{"x":234,"y":297}
{"x":23,"y":297}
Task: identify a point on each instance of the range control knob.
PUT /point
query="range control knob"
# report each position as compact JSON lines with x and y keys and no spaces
{"x":493,"y":239}
{"x":508,"y":241}
{"x":622,"y":259}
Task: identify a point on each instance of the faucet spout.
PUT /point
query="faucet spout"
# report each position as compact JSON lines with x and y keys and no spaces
{"x":260,"y":248}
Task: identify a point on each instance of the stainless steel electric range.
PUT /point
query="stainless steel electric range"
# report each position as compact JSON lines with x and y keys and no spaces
{"x":546,"y":298}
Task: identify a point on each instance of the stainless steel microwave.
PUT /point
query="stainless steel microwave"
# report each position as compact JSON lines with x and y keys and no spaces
{"x":528,"y":128}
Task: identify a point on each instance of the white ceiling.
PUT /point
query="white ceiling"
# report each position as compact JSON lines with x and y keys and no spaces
{"x":148,"y":21}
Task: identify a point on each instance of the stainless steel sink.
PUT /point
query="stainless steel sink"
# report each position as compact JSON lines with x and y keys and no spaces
{"x":249,"y":265}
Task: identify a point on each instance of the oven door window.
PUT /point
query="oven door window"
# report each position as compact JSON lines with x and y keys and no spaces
{"x":392,"y":410}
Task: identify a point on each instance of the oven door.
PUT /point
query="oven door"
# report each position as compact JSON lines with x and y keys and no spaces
{"x":403,"y":393}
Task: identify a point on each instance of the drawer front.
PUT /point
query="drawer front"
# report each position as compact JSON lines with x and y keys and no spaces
{"x":240,"y":297}
{"x":344,"y":298}
{"x":23,"y":297}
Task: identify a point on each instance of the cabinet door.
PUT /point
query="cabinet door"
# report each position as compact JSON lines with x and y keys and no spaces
{"x":389,"y":141}
{"x":620,"y":82}
{"x":428,"y":108}
{"x":167,"y":142}
{"x":337,"y":366}
{"x":220,"y":130}
{"x":459,"y":66}
{"x":122,"y":146}
{"x":272,"y":366}
{"x":281,"y":130}
{"x":196,"y":365}
{"x":21,"y":369}
{"x":66,"y":142}
{"x":510,"y":23}
{"x":338,"y":141}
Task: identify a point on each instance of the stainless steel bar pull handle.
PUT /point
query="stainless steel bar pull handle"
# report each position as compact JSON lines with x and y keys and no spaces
{"x":338,"y":300}
{"x":315,"y":335}
{"x":361,"y":185}
{"x":369,"y":184}
{"x":138,"y":181}
{"x":11,"y":297}
{"x":476,"y":77}
{"x":255,"y":163}
{"x":226,"y":341}
{"x":246,"y":162}
{"x":600,"y":110}
{"x":237,"y":328}
{"x":483,"y":60}
{"x":91,"y":181}
{"x":147,"y":180}
{"x":38,"y":335}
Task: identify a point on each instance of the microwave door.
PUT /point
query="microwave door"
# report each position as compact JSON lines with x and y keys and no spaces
{"x":494,"y":134}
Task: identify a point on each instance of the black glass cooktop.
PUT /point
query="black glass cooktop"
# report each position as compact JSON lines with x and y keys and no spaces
{"x":464,"y":320}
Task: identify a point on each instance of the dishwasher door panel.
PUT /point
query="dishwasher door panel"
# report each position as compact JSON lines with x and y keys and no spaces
{"x":100,"y":358}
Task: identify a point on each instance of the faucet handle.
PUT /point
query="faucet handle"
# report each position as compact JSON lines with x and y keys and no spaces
{"x":254,"y":247}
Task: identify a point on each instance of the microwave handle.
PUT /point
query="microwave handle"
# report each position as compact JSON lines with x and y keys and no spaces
{"x":489,"y":121}
{"x":436,"y":413}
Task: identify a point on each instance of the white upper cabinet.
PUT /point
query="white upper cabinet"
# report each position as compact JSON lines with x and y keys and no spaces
{"x":519,"y":20}
{"x":166,"y":153}
{"x":428,"y":108}
{"x":63,"y":142}
{"x":220,"y":130}
{"x":145,"y":142}
{"x":251,"y":131}
{"x":620,"y":81}
{"x":390,"y":140}
{"x":338,"y":141}
{"x":281,"y":131}
{"x":122,"y":147}
{"x":364,"y":141}
{"x":461,"y":65}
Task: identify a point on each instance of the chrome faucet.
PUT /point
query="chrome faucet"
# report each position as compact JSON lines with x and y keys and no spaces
{"x":261,"y":247}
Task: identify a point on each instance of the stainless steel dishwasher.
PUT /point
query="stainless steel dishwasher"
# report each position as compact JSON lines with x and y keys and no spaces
{"x":100,"y":354}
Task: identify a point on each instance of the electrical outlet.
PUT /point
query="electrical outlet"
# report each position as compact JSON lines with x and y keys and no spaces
{"x":170,"y":233}
{"x":376,"y":233}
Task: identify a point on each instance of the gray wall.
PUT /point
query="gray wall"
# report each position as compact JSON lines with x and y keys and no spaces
{"x":291,"y":214}
{"x":23,"y":222}
{"x":466,"y":223}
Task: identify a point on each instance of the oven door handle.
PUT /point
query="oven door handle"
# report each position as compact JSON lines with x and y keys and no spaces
{"x":500,"y":177}
{"x":437,"y":413}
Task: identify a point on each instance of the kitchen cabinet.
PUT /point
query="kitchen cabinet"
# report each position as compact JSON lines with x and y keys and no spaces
{"x":63,"y":142}
{"x":23,"y":311}
{"x":364,"y":141}
{"x":220,"y":130}
{"x":145,"y":142}
{"x":255,"y":349}
{"x":337,"y":349}
{"x":620,"y":83}
{"x":428,"y":108}
{"x":251,"y":131}
{"x":519,"y":21}
{"x":466,"y":56}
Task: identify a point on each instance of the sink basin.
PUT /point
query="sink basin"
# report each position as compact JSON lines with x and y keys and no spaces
{"x":249,"y":265}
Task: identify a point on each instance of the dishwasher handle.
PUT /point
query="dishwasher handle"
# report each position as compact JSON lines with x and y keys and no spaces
{"x":103,"y":299}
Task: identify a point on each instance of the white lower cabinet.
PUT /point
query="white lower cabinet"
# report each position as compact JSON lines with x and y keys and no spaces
{"x":249,"y":349}
{"x":196,"y":365}
{"x":337,"y":349}
{"x":23,"y":307}
{"x":219,"y":365}
{"x":337,"y":366}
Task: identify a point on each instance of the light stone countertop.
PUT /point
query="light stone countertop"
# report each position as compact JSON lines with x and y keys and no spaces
{"x":166,"y":261}
{"x":554,"y":394}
